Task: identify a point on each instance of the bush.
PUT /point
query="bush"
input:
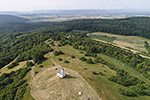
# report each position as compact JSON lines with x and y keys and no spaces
{"x":90,"y":54}
{"x":60,"y":59}
{"x":66,"y":61}
{"x":12,"y":65}
{"x":41,"y":66}
{"x":83,"y":59}
{"x":73,"y":57}
{"x":57,"y":53}
{"x":99,"y":60}
{"x":89,"y":61}
{"x":29,"y":64}
{"x":127,"y":93}
{"x":94,"y":73}
{"x":100,"y":73}
{"x":38,"y":58}
{"x":8,"y":81}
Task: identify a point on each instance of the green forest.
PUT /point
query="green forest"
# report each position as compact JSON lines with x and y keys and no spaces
{"x":134,"y":26}
{"x":28,"y":43}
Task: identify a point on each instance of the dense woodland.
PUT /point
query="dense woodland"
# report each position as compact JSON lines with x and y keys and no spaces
{"x":25,"y":47}
{"x":10,"y":18}
{"x":12,"y":85}
{"x":135,"y":26}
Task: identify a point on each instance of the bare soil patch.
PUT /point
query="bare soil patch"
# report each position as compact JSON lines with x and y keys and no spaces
{"x":47,"y":86}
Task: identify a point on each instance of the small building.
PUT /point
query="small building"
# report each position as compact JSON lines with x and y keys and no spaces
{"x":61,"y":73}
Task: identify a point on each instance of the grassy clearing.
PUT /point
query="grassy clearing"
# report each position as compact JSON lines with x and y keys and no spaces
{"x":125,"y":67}
{"x":103,"y":37}
{"x":6,"y":70}
{"x":27,"y":95}
{"x":47,"y":63}
{"x":132,"y":42}
{"x":47,"y":86}
{"x":106,"y":89}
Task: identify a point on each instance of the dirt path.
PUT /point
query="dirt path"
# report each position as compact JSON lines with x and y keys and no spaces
{"x":47,"y":86}
{"x":32,"y":72}
{"x":134,"y":51}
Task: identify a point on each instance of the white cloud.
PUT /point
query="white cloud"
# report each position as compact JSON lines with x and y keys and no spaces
{"x":26,"y":5}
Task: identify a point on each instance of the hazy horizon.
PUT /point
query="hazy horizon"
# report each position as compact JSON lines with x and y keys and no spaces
{"x":32,"y":5}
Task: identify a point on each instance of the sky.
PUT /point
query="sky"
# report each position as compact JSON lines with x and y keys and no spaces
{"x":30,"y":5}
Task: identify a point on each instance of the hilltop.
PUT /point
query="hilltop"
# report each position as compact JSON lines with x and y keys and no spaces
{"x":11,"y":19}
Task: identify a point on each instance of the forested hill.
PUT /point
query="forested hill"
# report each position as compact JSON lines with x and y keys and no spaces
{"x":10,"y":18}
{"x":135,"y":26}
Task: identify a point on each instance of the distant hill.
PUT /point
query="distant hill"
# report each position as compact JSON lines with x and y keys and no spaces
{"x":134,"y":26}
{"x":11,"y":18}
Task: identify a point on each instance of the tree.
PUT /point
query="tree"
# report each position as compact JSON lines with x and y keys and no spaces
{"x":66,"y":61}
{"x":29,"y":64}
{"x":83,"y":59}
{"x":89,"y":61}
{"x":37,"y":58}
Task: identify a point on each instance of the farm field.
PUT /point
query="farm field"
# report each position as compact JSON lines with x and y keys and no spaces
{"x":131,"y":42}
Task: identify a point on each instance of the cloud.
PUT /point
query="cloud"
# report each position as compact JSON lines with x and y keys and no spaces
{"x":24,"y":5}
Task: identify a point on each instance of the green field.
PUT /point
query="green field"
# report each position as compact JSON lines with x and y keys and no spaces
{"x":106,"y":89}
{"x":103,"y":37}
{"x":131,"y":42}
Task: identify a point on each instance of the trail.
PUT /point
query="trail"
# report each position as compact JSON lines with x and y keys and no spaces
{"x":134,"y":51}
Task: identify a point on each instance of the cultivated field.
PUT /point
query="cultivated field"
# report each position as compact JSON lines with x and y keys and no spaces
{"x":130,"y":42}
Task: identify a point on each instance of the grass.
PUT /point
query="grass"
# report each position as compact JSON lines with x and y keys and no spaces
{"x":125,"y":67}
{"x":27,"y":95}
{"x":103,"y":37}
{"x":132,"y":42}
{"x":47,"y":63}
{"x":106,"y":89}
{"x":6,"y":70}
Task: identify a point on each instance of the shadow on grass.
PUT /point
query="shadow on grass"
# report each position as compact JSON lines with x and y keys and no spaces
{"x":69,"y":77}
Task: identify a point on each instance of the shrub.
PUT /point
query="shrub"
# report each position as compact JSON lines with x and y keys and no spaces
{"x":29,"y":64}
{"x":73,"y":57}
{"x":57,"y":53}
{"x":41,"y":66}
{"x":83,"y":59}
{"x":66,"y":61}
{"x":100,"y":73}
{"x":94,"y":73}
{"x":37,"y":58}
{"x":12,"y":65}
{"x":60,"y":59}
{"x":127,"y":93}
{"x":8,"y":81}
{"x":89,"y":61}
{"x":90,"y":54}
